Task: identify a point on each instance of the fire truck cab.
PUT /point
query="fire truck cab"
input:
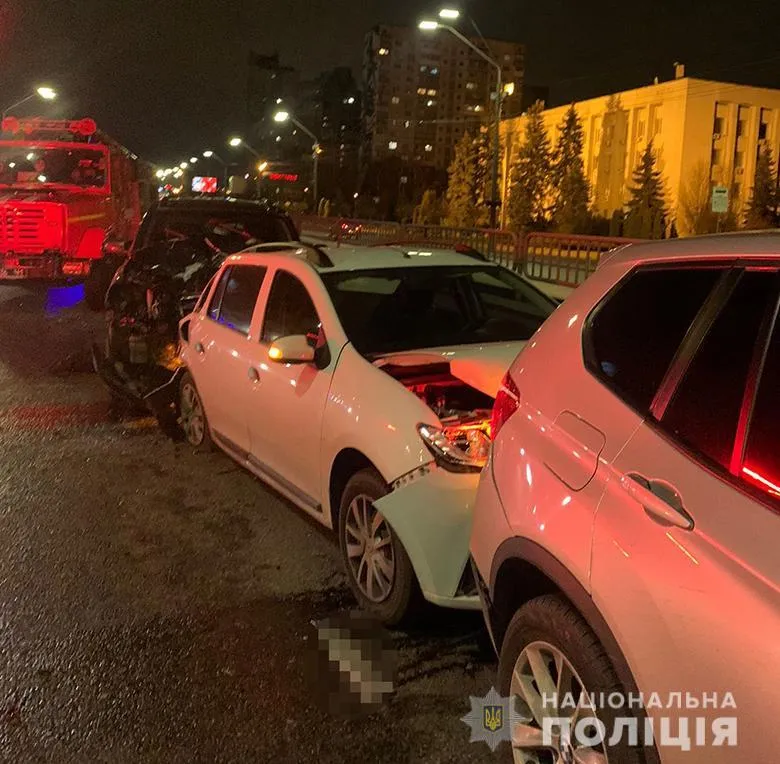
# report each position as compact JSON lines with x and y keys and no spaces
{"x":63,"y":186}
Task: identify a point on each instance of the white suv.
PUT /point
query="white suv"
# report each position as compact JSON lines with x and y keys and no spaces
{"x":627,"y":526}
{"x":359,"y":383}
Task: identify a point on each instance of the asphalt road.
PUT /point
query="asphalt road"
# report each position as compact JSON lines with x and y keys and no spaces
{"x":156,"y":604}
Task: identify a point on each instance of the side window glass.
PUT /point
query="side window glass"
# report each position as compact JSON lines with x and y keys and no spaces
{"x":216,"y":300}
{"x":290,"y":309}
{"x":704,"y":411}
{"x":240,"y":297}
{"x":634,"y":335}
{"x":761,"y":467}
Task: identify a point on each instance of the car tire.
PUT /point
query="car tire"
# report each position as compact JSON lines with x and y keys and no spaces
{"x":551,"y":621}
{"x":192,"y":415}
{"x":96,"y":285}
{"x":403,"y":599}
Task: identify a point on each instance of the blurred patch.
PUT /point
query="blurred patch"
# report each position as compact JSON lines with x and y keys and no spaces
{"x":353,"y":664}
{"x":63,"y":297}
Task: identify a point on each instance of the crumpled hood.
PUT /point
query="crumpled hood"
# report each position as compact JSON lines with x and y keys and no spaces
{"x":481,"y":366}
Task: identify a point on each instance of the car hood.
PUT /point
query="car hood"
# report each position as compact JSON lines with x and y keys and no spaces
{"x":481,"y":366}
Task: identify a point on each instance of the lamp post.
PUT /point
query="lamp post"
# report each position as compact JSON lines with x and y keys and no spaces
{"x":429,"y":25}
{"x":236,"y":141}
{"x":286,"y":116}
{"x":209,"y":154}
{"x":44,"y":92}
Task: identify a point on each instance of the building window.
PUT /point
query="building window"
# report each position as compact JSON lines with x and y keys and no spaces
{"x":740,"y":127}
{"x":395,"y":100}
{"x":471,"y":86}
{"x":423,"y":68}
{"x":384,"y":52}
{"x":431,"y":103}
{"x":392,"y":145}
{"x":739,"y":159}
{"x":715,"y":157}
{"x":421,"y":91}
{"x":428,"y":147}
{"x":719,"y":126}
{"x":407,"y":123}
{"x":435,"y":70}
{"x":478,"y":108}
{"x":762,"y":130}
{"x":431,"y":92}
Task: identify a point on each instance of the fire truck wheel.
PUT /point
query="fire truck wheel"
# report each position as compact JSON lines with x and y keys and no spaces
{"x":96,"y":285}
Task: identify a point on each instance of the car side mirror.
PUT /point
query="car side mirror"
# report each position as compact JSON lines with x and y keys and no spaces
{"x":115,"y":248}
{"x":293,"y":349}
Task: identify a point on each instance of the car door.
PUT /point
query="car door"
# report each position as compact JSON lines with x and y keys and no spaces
{"x":221,"y":357}
{"x":285,"y":418}
{"x":685,"y":563}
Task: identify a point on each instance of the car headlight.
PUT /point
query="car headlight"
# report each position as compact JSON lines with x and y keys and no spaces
{"x":457,"y":449}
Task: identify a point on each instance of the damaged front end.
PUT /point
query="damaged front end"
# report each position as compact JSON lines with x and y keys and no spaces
{"x":430,"y":509}
{"x":145,"y":302}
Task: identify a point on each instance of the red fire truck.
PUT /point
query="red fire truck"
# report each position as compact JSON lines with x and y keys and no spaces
{"x":63,"y":186}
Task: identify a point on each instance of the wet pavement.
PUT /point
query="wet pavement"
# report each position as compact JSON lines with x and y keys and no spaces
{"x":156,"y":603}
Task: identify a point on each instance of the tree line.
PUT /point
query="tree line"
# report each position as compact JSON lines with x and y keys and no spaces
{"x":549,"y":190}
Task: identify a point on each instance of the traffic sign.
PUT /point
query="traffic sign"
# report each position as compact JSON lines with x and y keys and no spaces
{"x":720,"y":199}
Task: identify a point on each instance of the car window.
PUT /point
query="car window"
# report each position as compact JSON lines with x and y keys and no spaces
{"x":634,"y":334}
{"x":236,"y":296}
{"x":761,"y":467}
{"x":290,"y":309}
{"x":704,"y":411}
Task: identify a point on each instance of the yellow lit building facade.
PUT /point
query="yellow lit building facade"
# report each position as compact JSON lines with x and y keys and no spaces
{"x":699,"y":128}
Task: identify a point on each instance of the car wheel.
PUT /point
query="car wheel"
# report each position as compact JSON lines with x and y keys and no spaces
{"x":377,"y":565}
{"x":192,"y":415}
{"x":549,"y":650}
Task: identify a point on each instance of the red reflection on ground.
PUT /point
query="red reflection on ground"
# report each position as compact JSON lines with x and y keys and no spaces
{"x":54,"y":416}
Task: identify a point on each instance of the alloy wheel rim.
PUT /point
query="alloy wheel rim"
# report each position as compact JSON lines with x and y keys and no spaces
{"x":542,"y":673}
{"x":369,"y":543}
{"x":192,"y":419}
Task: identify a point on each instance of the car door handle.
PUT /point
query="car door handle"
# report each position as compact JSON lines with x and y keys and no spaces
{"x":253,"y":374}
{"x":660,"y":500}
{"x":199,"y":349}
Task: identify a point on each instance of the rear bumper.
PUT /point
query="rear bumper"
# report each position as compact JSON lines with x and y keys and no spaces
{"x":47,"y":265}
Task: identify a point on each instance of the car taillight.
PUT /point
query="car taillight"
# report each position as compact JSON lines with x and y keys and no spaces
{"x":507,"y":401}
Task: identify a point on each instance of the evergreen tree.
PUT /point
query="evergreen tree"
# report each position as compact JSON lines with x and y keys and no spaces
{"x":570,"y":186}
{"x":530,"y":182}
{"x":428,"y":211}
{"x":461,"y":189}
{"x":646,"y":209}
{"x":761,"y":210}
{"x":483,"y":178}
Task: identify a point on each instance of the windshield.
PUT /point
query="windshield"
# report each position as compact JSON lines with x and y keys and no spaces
{"x":36,"y":166}
{"x":227,"y":231}
{"x":397,"y":309}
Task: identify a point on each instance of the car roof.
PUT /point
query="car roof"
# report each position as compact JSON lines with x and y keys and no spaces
{"x":206,"y":203}
{"x":330,"y":258}
{"x":728,"y":246}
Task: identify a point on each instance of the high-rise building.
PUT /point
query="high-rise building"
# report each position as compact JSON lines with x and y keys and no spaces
{"x":422,"y":91}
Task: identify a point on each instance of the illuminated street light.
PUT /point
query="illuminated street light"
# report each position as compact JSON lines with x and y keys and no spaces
{"x":183,"y":165}
{"x":262,"y":166}
{"x":160,"y":174}
{"x":193,"y":160}
{"x":43,"y":91}
{"x":316,"y":150}
{"x":450,"y":14}
{"x":235,"y":142}
{"x":429,"y":25}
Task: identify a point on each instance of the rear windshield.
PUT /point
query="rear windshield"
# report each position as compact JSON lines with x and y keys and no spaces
{"x":228,"y":231}
{"x":397,"y":309}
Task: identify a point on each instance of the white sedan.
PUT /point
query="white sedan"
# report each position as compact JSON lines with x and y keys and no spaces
{"x":359,"y":383}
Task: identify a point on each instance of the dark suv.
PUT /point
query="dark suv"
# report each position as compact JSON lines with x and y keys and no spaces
{"x":180,"y":245}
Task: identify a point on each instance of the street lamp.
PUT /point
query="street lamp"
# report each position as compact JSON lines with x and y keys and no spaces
{"x":43,"y":91}
{"x":285,"y":116}
{"x":209,"y":154}
{"x":183,"y":165}
{"x":237,"y":141}
{"x":429,"y":25}
{"x":193,"y":160}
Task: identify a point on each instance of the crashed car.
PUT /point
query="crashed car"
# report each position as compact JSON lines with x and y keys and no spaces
{"x":180,"y":245}
{"x":359,"y":382}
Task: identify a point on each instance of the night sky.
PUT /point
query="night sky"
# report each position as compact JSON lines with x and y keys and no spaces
{"x":167,"y":77}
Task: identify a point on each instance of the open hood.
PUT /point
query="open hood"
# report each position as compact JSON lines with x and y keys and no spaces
{"x":480,"y":366}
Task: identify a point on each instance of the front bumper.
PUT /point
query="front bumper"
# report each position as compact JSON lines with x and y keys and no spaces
{"x":431,"y":516}
{"x":46,"y":265}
